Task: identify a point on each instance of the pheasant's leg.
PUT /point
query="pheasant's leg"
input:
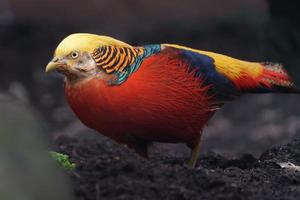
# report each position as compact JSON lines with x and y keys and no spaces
{"x":195,"y":154}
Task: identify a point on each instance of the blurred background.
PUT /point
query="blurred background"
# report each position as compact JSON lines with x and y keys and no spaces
{"x":255,"y":30}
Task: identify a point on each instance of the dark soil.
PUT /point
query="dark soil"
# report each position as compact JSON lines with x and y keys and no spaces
{"x":109,"y":171}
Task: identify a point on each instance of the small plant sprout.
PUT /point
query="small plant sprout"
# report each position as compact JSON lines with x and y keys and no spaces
{"x":63,"y":160}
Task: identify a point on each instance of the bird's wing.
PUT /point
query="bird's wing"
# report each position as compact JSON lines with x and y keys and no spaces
{"x":205,"y":66}
{"x":230,"y":77}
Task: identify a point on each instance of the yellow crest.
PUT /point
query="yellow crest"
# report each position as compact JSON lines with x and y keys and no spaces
{"x":85,"y":42}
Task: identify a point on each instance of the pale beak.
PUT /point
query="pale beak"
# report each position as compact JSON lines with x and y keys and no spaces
{"x":54,"y":64}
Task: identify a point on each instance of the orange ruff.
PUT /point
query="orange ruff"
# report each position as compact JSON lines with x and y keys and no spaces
{"x":161,"y":101}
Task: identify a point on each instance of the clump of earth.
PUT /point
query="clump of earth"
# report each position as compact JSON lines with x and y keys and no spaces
{"x":105,"y":170}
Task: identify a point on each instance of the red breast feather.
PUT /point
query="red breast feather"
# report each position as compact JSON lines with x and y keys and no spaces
{"x":162,"y":101}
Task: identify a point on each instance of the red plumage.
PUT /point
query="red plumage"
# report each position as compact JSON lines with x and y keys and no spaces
{"x":273,"y":77}
{"x":161,"y":101}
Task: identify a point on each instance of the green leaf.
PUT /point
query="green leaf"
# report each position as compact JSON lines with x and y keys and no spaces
{"x":63,"y":160}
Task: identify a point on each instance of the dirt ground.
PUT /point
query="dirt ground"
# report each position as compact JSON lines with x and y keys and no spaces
{"x":109,"y":171}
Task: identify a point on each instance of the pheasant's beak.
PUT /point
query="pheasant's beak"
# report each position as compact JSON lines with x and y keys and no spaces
{"x":54,"y":64}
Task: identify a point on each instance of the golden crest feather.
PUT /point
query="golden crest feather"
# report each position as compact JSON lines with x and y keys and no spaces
{"x":86,"y":42}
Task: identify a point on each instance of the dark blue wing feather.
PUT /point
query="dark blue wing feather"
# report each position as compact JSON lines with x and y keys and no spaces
{"x":221,"y":87}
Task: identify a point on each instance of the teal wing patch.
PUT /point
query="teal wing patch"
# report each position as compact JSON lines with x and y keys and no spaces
{"x":122,"y":61}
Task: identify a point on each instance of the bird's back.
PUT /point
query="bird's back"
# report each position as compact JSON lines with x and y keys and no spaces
{"x":231,"y":77}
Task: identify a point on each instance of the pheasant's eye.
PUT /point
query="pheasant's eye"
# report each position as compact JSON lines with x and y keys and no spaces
{"x":74,"y":54}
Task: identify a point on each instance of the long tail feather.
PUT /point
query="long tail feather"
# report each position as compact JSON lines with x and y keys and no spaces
{"x":275,"y":78}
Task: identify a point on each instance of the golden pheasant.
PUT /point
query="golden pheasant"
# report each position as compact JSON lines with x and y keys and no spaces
{"x":160,"y":92}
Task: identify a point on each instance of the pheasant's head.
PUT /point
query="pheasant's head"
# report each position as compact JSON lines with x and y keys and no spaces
{"x":73,"y":57}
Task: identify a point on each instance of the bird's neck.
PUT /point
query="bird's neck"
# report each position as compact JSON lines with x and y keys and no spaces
{"x":98,"y":75}
{"x":147,"y":50}
{"x":117,"y":77}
